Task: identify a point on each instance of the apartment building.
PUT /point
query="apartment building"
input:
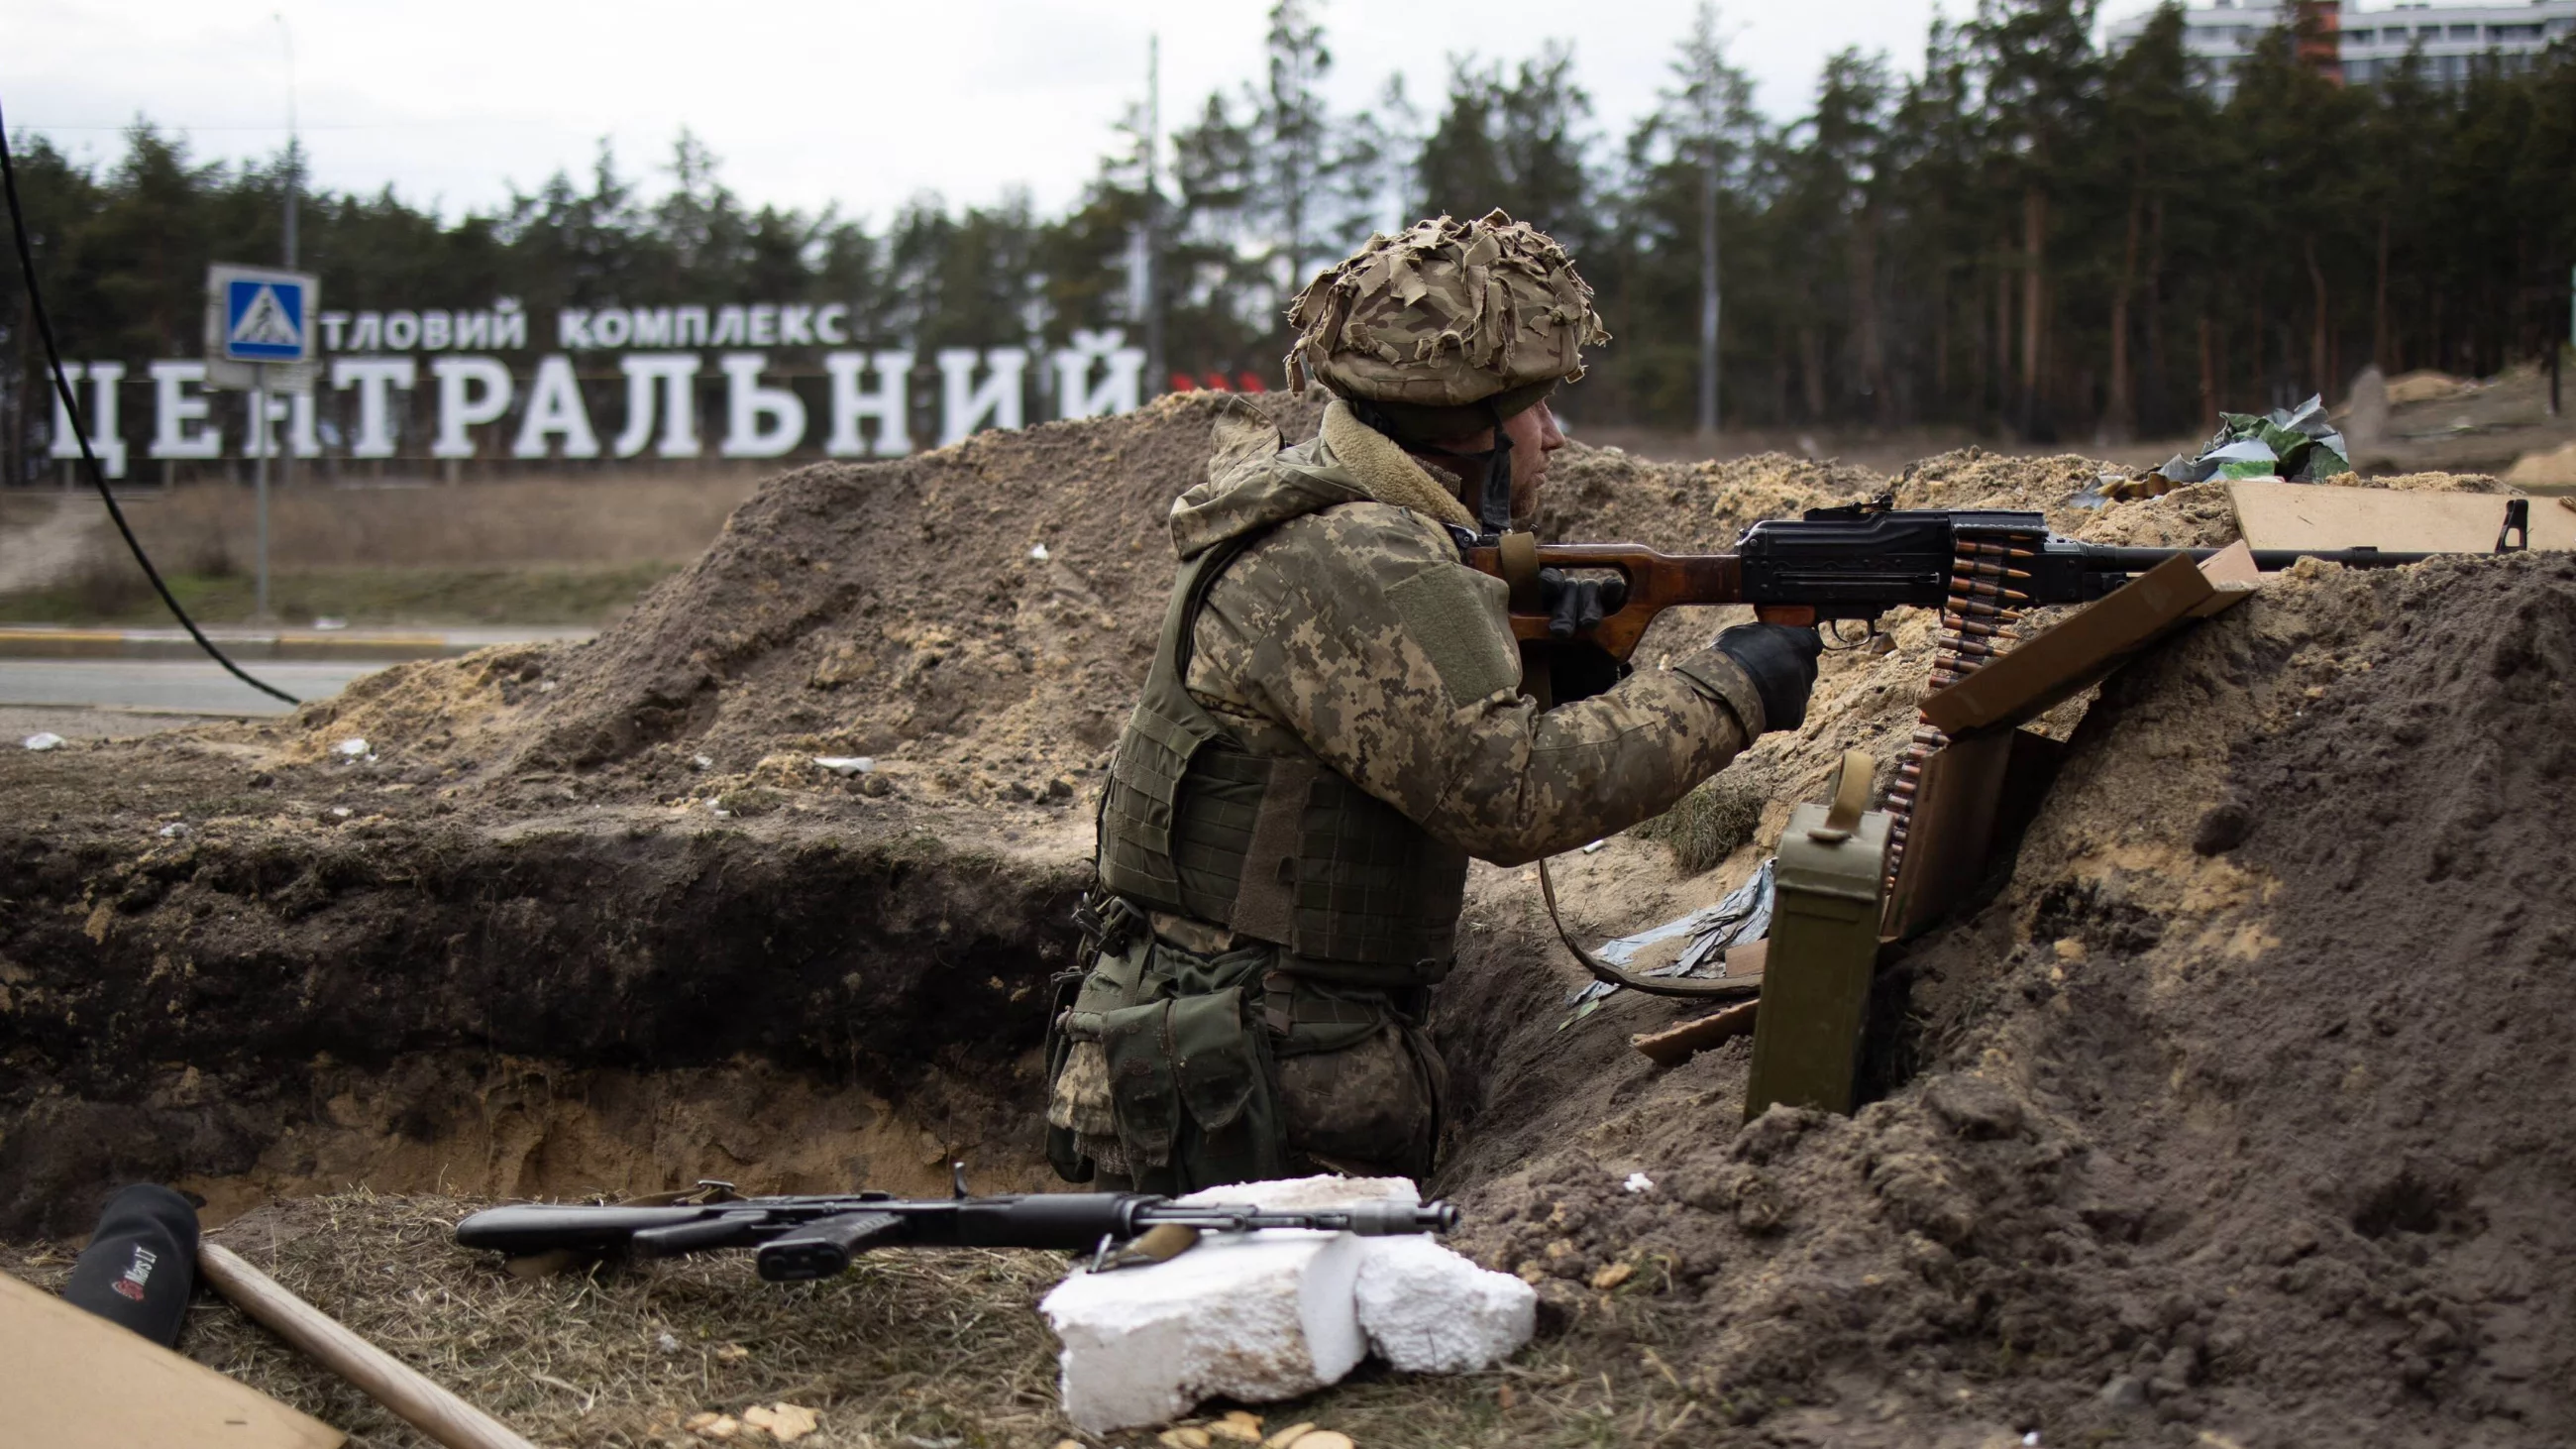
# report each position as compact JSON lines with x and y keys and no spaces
{"x":2368,"y":44}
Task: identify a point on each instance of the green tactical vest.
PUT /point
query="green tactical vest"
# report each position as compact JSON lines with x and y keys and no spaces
{"x":1275,"y":849}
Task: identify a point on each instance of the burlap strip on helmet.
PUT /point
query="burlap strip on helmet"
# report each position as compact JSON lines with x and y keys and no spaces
{"x":1445,"y":315}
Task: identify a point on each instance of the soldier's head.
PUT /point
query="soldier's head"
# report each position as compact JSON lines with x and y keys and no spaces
{"x":1449,"y":338}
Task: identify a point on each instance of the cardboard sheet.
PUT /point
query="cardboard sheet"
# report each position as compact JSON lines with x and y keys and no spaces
{"x":1954,"y":820}
{"x":2316,"y":515}
{"x":70,"y":1380}
{"x":2057,"y":663}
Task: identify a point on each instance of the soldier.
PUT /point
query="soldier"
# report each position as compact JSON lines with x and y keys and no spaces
{"x":1335,"y":722}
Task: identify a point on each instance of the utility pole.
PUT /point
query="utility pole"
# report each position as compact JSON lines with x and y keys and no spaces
{"x":1708,"y":294}
{"x":1706,"y":73}
{"x":1155,"y":373}
{"x":294,"y":145}
{"x":294,"y":184}
{"x":2557,"y":353}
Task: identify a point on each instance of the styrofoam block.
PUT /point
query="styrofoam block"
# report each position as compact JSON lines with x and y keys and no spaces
{"x":1427,"y":1309}
{"x":1265,"y":1316}
{"x":1256,"y":1317}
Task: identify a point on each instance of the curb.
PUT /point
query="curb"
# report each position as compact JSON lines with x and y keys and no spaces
{"x":285,"y":644}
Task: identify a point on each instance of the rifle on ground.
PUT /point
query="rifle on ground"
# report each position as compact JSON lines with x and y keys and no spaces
{"x":804,"y":1238}
{"x":1860,"y":560}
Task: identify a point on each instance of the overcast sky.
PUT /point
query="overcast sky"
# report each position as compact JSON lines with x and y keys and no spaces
{"x":859,"y":103}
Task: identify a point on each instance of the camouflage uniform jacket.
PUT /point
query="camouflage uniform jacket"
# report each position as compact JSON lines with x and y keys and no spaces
{"x":1348,"y":634}
{"x":1351,"y":633}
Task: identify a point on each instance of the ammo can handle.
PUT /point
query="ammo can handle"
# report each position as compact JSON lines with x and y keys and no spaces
{"x":1851,"y":798}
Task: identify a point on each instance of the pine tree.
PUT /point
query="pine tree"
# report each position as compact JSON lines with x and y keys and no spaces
{"x":1513,"y":144}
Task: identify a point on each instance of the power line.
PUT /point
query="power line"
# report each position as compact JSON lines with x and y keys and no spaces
{"x":80,"y":430}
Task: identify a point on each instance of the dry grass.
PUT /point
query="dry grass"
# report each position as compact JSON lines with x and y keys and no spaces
{"x":539,"y":551}
{"x":210,"y":527}
{"x":909,"y":1350}
{"x":1708,"y":824}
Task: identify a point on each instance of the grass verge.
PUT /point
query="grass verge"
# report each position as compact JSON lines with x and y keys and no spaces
{"x":537,"y":594}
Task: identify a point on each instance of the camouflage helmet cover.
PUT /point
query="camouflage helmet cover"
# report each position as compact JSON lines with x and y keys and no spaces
{"x":1445,"y":314}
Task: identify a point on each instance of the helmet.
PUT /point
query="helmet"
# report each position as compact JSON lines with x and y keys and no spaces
{"x":1447,"y":328}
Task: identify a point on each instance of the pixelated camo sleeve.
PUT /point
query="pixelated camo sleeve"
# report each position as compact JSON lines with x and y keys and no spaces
{"x":1356,"y":635}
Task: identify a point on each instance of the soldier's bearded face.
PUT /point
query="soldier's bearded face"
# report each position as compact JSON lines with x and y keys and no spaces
{"x":1534,"y":436}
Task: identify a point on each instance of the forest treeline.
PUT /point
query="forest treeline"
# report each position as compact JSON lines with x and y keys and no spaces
{"x":2031,"y":235}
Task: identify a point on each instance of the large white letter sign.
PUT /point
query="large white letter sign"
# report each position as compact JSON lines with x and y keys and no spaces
{"x":471,"y":391}
{"x":964,"y":405}
{"x":174,"y":407}
{"x":1123,"y":379}
{"x":760,"y":422}
{"x":890,"y":404}
{"x":100,"y":416}
{"x":371,"y":376}
{"x":555,"y":410}
{"x":673,"y":370}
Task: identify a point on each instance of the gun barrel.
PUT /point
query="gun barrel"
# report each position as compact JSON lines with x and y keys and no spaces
{"x":2109,"y":559}
{"x":1365,"y":1219}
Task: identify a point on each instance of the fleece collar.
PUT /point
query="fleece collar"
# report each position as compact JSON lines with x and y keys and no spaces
{"x":1388,"y":472}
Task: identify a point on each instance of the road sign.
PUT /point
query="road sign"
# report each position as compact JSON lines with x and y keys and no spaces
{"x":259,"y":317}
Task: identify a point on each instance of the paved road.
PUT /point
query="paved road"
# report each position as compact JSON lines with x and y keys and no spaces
{"x":179,"y":687}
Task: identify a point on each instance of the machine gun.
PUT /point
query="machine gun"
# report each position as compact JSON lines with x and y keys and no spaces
{"x":805,"y":1238}
{"x":1983,"y":568}
{"x":1856,"y":562}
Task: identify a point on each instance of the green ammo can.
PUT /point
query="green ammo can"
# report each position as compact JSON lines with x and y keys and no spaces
{"x":1830,"y":882}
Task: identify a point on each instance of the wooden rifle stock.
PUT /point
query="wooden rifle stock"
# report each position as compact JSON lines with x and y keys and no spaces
{"x":1656,"y":582}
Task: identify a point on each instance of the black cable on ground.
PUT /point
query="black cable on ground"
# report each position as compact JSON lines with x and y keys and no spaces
{"x":80,"y":429}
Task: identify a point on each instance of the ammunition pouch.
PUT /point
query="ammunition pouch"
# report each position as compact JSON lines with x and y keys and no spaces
{"x":1191,"y":1093}
{"x":1168,"y":1059}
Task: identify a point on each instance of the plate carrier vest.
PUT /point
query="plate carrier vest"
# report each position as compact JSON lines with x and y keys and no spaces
{"x":1273,"y":848}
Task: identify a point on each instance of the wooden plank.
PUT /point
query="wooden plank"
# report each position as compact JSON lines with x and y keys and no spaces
{"x":1677,"y":1044}
{"x":2319,"y":515}
{"x":71,"y":1380}
{"x":422,"y":1402}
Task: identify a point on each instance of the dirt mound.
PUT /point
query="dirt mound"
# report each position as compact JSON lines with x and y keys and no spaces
{"x":2243,"y":1110}
{"x":975,"y":619}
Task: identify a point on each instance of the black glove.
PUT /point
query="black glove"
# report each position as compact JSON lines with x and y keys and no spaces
{"x":1574,"y":605}
{"x":1580,"y":669}
{"x":1781,"y":661}
{"x":140,"y":1264}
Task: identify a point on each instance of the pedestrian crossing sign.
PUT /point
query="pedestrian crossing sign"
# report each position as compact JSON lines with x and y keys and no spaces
{"x":261,"y":316}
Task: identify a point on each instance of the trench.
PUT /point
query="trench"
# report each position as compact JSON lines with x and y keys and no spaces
{"x":558,"y":1010}
{"x":552,"y":1011}
{"x":537,"y":1011}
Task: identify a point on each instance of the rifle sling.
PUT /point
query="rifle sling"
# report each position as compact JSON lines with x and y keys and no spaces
{"x":1601,"y":970}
